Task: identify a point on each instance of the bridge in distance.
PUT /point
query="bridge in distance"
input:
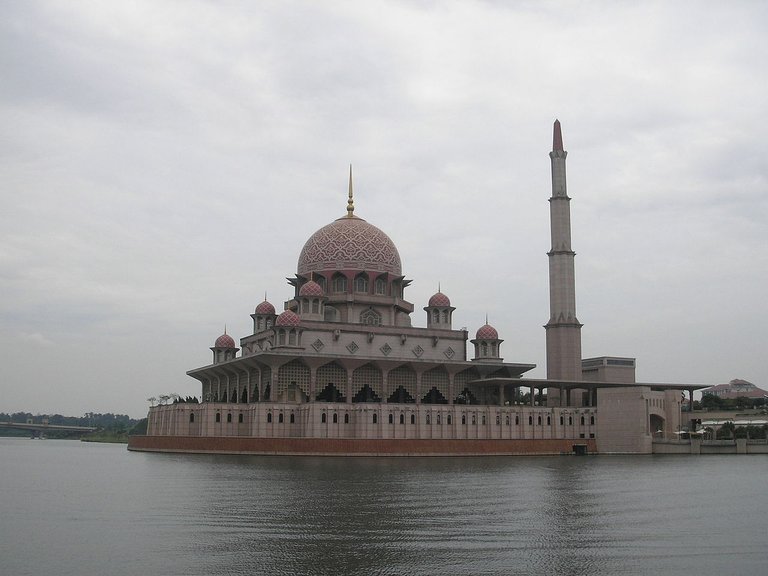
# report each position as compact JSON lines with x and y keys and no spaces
{"x":42,"y":427}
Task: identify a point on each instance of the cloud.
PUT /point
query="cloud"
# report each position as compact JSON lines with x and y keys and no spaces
{"x":163,"y":164}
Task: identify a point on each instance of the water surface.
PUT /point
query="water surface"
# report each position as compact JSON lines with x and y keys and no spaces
{"x":72,"y":508}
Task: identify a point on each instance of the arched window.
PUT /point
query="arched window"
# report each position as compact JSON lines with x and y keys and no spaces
{"x":538,"y":420}
{"x":293,"y":418}
{"x":483,"y":419}
{"x":375,"y":418}
{"x":592,"y":420}
{"x":549,"y":421}
{"x":323,"y":418}
{"x":413,"y":418}
{"x":339,"y":283}
{"x":292,"y":338}
{"x":483,"y":349}
{"x":474,"y":419}
{"x":280,"y":418}
{"x":370,"y":317}
{"x":570,"y":420}
{"x":561,"y":420}
{"x":305,"y":305}
{"x":335,"y":418}
{"x":361,"y":283}
{"x":239,"y":418}
{"x":517,"y":420}
{"x":321,"y":281}
{"x":530,"y":420}
{"x":315,"y":306}
{"x":269,"y":417}
{"x":191,"y":417}
{"x":259,"y":324}
{"x":381,"y":286}
{"x":229,"y":418}
{"x":506,"y":421}
{"x":463,"y":418}
{"x":346,"y":418}
{"x":402,"y":418}
{"x":281,"y":337}
{"x":438,"y":419}
{"x":498,"y":420}
{"x":269,"y":323}
{"x":449,"y":419}
{"x":582,"y":420}
{"x":391,"y":419}
{"x":428,"y":422}
{"x":436,"y":316}
{"x":446,"y":316}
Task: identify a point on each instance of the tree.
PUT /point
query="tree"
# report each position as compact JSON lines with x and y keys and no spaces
{"x":726,"y":431}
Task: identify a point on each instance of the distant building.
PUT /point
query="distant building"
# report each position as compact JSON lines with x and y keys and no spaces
{"x":736,"y":389}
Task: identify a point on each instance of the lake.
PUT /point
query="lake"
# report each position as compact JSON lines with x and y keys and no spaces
{"x":72,"y":508}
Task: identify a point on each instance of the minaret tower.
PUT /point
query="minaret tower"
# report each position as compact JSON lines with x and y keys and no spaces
{"x":563,"y":328}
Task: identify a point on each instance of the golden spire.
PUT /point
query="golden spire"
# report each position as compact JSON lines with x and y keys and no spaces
{"x":350,"y":201}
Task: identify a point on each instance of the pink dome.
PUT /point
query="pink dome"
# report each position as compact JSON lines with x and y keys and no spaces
{"x":265,"y":308}
{"x":487,"y":332}
{"x":288,"y":318}
{"x":311,"y":288}
{"x":225,"y":341}
{"x":439,"y":299}
{"x":349,"y":243}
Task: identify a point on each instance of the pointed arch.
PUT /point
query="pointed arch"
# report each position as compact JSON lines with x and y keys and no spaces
{"x":292,"y":378}
{"x":331,"y":383}
{"x":435,"y":382}
{"x":367,"y":377}
{"x":402,"y":382}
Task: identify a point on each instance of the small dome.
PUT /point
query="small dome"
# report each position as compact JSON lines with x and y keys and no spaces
{"x":288,"y":318}
{"x":487,"y":332}
{"x":439,"y":299}
{"x":265,"y":308}
{"x":311,"y":288}
{"x":225,"y":341}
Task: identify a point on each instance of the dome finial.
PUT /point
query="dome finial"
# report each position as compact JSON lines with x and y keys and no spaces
{"x":438,"y":287}
{"x":350,"y":201}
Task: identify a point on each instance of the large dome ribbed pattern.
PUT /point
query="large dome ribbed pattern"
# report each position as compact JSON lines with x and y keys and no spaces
{"x":349,"y":243}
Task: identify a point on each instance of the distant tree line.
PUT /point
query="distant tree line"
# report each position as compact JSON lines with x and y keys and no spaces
{"x":712,"y":402}
{"x":729,"y":431}
{"x":120,"y":424}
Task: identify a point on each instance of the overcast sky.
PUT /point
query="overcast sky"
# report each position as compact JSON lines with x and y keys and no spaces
{"x":163,"y":163}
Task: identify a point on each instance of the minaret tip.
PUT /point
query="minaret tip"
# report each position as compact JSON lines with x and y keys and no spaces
{"x":557,"y":137}
{"x":350,"y":200}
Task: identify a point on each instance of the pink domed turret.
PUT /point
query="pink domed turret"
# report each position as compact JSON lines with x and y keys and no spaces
{"x":487,"y":332}
{"x":265,"y":308}
{"x":225,"y":341}
{"x":311,"y":289}
{"x":487,"y":344}
{"x":224,"y":348}
{"x":439,"y":299}
{"x":288,"y":319}
{"x":439,"y":311}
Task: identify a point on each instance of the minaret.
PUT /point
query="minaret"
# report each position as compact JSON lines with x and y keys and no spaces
{"x":563,"y":328}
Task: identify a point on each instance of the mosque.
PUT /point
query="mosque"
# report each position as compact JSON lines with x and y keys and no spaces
{"x":342,"y":370}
